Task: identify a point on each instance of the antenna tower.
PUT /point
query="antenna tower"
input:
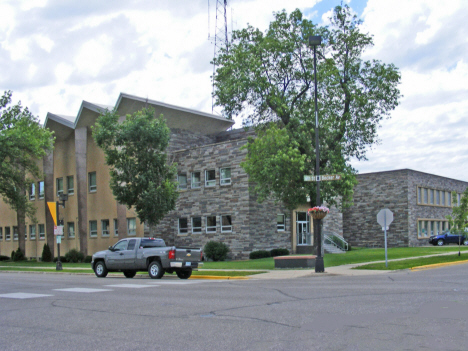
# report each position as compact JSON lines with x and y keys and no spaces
{"x":221,"y":38}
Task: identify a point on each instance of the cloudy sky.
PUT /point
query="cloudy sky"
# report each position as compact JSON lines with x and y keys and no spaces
{"x":56,"y":53}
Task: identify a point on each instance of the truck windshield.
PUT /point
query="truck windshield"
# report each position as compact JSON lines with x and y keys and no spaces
{"x":152,"y":243}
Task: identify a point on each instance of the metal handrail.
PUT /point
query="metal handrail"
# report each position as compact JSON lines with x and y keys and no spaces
{"x":328,"y":237}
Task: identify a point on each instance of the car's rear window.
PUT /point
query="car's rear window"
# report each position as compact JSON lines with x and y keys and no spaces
{"x":145,"y":243}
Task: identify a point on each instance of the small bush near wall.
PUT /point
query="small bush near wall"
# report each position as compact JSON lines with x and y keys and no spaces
{"x":4,"y":258}
{"x":259,"y":254}
{"x":88,"y":259}
{"x":63,"y":259}
{"x":74,"y":256}
{"x":216,"y":251}
{"x":279,"y":252}
{"x":18,"y":255}
{"x":46,"y":254}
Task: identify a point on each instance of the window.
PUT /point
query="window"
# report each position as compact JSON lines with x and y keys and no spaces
{"x":92,"y":182}
{"x":196,"y":180}
{"x":437,"y":197}
{"x":131,"y":244}
{"x":131,"y":226}
{"x":425,"y":196}
{"x":41,"y":189}
{"x":211,"y":224}
{"x":121,"y":245}
{"x":32,"y":232}
{"x":93,"y":229}
{"x":71,"y":229}
{"x":183,"y":226}
{"x":70,"y":185}
{"x":226,"y":224}
{"x":116,"y":227}
{"x":105,"y":227}
{"x":426,"y":228}
{"x":431,"y":193}
{"x":32,"y":192}
{"x":225,"y":176}
{"x":59,"y":186}
{"x":182,"y":179}
{"x":1,"y":233}
{"x":210,"y":178}
{"x":442,"y":198}
{"x":449,"y":201}
{"x":41,"y":231}
{"x":419,"y":195}
{"x":280,"y":223}
{"x":196,"y":225}
{"x":7,"y":233}
{"x":15,"y":233}
{"x":458,"y":199}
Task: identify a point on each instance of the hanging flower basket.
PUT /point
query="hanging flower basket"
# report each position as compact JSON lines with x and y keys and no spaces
{"x":319,"y":212}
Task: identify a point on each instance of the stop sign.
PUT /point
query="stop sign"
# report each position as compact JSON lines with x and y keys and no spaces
{"x":385,"y":217}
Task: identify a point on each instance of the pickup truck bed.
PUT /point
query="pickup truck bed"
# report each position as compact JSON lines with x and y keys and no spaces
{"x":131,"y":255}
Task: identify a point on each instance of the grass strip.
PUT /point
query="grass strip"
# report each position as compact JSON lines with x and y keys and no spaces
{"x":412,"y":263}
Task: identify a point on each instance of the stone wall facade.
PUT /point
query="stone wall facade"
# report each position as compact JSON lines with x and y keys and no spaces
{"x":397,"y":191}
{"x":253,"y":225}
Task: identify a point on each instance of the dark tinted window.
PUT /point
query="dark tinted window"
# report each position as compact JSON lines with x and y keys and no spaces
{"x":131,"y":244}
{"x":152,"y":243}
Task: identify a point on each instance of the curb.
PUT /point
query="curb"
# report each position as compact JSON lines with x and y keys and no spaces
{"x":437,"y":265}
{"x":220,"y":277}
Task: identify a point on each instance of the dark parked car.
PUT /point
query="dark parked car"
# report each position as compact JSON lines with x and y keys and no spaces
{"x":448,"y":238}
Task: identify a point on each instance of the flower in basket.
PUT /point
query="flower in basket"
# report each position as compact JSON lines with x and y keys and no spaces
{"x":317,"y":209}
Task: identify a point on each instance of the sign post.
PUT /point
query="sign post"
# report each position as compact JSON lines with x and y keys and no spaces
{"x":384,"y":218}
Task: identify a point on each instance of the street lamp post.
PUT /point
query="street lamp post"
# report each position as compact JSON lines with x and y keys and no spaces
{"x":319,"y":266}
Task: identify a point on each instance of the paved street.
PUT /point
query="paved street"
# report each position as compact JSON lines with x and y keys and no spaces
{"x":391,"y":311}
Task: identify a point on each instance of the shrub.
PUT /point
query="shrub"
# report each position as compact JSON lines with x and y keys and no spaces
{"x":259,"y":254}
{"x":4,"y":258}
{"x":74,"y":256}
{"x":46,"y":254}
{"x":18,"y":255}
{"x":88,"y":259}
{"x":63,"y":259}
{"x":279,"y":252}
{"x":216,"y":251}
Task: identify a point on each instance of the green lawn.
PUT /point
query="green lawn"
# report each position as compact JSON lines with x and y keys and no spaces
{"x":418,"y":262}
{"x":356,"y":255}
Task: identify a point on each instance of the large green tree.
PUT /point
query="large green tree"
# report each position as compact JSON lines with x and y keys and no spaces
{"x":23,"y":142}
{"x":268,"y":79}
{"x":135,"y":152}
{"x":459,"y":218}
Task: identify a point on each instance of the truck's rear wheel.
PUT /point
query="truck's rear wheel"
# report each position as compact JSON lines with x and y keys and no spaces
{"x":100,"y":269}
{"x":184,"y":274}
{"x":155,"y":270}
{"x":129,"y":274}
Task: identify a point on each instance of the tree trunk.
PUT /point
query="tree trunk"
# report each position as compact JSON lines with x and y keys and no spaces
{"x":21,"y":220}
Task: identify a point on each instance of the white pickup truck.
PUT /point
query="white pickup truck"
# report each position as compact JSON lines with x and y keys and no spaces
{"x":131,"y":255}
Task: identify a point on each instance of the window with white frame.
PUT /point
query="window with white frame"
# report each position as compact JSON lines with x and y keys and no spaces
{"x":196,"y":180}
{"x":41,"y":228}
{"x":196,"y":225}
{"x":93,"y":229}
{"x":32,"y":191}
{"x":210,"y":177}
{"x":116,"y":227}
{"x":32,"y":231}
{"x":92,"y":182}
{"x":15,"y":233}
{"x":226,"y":223}
{"x":183,"y":225}
{"x":280,"y":222}
{"x":131,"y":226}
{"x":211,"y":224}
{"x":71,"y":229}
{"x":1,"y":233}
{"x":59,"y":183}
{"x":104,"y":227}
{"x":70,"y":185}
{"x":7,"y":233}
{"x":225,"y":176}
{"x":41,"y":189}
{"x":182,"y":180}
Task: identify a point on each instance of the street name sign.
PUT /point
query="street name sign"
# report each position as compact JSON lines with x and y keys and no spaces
{"x":321,"y":178}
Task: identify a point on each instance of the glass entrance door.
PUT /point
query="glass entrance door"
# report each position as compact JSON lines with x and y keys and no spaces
{"x":303,"y":228}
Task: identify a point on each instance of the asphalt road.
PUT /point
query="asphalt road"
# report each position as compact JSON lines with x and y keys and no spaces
{"x":407,"y":310}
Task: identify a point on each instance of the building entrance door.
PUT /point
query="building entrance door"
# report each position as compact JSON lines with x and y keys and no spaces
{"x":303,"y":228}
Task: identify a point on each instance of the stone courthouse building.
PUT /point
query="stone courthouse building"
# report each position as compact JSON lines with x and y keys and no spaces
{"x":215,"y":202}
